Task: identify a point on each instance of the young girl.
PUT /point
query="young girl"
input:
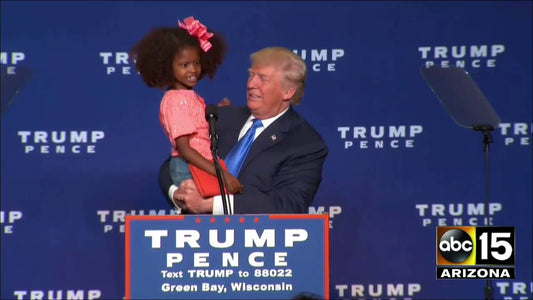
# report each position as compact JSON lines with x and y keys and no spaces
{"x":175,"y":59}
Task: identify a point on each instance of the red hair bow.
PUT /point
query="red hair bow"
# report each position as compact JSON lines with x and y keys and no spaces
{"x":197,"y":29}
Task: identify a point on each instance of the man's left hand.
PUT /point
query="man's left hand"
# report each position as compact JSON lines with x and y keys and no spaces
{"x":189,"y":199}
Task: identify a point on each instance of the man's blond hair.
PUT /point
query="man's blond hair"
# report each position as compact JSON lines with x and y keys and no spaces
{"x":291,"y":65}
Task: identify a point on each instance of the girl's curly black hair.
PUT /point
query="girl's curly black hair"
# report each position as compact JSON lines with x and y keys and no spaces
{"x":155,"y":52}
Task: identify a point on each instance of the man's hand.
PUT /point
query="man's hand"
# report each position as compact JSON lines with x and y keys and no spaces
{"x":224,"y":102}
{"x":189,"y":199}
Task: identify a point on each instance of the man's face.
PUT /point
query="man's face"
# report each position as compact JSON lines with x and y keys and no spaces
{"x":265,"y":92}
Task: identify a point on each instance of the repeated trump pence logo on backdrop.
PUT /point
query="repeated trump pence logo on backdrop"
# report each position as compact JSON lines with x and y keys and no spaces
{"x":462,"y":56}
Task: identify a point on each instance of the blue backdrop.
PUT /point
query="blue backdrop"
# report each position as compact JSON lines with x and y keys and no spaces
{"x":81,"y":143}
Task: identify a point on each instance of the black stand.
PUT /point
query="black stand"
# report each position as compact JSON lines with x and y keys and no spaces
{"x":467,"y":106}
{"x":221,"y":180}
{"x":211,"y":116}
{"x":487,"y":139}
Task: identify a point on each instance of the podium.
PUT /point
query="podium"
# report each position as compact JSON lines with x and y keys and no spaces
{"x":227,"y":257}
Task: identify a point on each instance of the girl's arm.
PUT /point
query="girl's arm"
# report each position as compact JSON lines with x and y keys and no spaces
{"x":192,"y":156}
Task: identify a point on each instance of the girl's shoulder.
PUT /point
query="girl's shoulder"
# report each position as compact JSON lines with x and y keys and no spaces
{"x":181,"y":97}
{"x":180,"y":94}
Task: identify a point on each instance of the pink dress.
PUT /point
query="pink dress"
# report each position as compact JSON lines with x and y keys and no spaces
{"x":182,"y":112}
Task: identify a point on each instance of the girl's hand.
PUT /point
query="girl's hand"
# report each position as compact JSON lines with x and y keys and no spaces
{"x":234,"y":186}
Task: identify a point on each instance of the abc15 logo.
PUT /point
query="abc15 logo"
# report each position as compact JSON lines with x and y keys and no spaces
{"x":473,"y":245}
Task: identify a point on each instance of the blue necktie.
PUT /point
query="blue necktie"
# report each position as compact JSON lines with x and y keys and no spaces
{"x":235,"y":159}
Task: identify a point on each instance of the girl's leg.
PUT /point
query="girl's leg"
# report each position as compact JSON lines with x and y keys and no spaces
{"x":179,"y":170}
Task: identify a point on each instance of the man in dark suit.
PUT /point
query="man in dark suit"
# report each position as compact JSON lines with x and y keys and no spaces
{"x":283,"y":168}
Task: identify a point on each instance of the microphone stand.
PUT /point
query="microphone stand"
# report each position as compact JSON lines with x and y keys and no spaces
{"x":221,"y":180}
{"x":211,"y":117}
{"x":487,"y":139}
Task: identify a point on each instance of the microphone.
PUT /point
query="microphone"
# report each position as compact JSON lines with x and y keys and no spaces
{"x":211,"y":115}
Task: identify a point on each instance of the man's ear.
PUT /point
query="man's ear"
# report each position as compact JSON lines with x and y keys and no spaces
{"x":288,"y":93}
